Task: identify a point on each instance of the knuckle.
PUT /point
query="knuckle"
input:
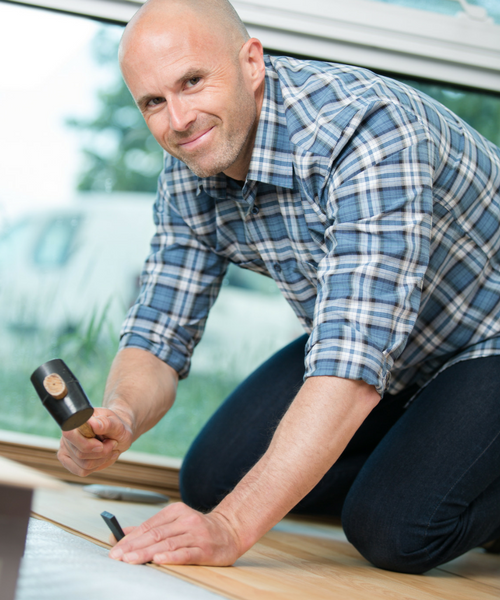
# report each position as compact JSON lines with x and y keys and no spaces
{"x":145,"y":527}
{"x":79,"y":455}
{"x":186,"y":556}
{"x":81,"y":472}
{"x":85,"y":465}
{"x":156,"y":534}
{"x":169,"y":545}
{"x":81,"y":468}
{"x":193,"y":519}
{"x":175,"y":508}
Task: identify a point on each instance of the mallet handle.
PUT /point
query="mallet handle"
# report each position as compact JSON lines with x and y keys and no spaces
{"x":87,"y":431}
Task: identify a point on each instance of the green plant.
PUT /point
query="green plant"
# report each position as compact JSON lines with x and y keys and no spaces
{"x":88,"y":349}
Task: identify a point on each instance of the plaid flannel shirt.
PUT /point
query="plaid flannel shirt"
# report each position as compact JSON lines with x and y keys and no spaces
{"x":374,"y":208}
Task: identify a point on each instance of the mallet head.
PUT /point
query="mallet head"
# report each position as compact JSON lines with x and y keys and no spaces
{"x":63,"y":396}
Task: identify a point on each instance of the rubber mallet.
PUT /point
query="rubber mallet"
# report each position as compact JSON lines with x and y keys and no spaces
{"x":63,"y":396}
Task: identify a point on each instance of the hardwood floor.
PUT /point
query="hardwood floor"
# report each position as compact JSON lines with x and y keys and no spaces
{"x":298,"y":559}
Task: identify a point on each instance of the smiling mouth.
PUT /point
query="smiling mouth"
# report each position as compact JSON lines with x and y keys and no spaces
{"x":196,"y":138}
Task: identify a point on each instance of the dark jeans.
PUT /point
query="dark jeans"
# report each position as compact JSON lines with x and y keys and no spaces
{"x":415,"y":487}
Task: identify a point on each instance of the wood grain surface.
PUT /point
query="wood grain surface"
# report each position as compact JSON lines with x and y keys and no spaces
{"x":132,"y":469}
{"x":296,"y":560}
{"x":15,"y":474}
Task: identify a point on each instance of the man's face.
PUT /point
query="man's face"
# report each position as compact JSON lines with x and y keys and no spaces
{"x":195,"y":98}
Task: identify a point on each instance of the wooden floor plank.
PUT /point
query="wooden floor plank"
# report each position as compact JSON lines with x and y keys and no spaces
{"x":343,"y":568}
{"x":134,"y":469}
{"x":294,"y":561}
{"x":477,"y":565}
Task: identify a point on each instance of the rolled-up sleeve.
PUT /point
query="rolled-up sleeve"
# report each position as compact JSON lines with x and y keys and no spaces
{"x":379,"y":209}
{"x":180,"y":282}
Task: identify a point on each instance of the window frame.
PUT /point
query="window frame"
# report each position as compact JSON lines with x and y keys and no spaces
{"x":453,"y":50}
{"x":460,"y":50}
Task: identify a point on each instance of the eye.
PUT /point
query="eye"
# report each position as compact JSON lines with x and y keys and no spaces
{"x":193,"y":81}
{"x":156,"y":101}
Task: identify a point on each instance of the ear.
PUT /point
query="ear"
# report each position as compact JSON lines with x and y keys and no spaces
{"x":252,"y":62}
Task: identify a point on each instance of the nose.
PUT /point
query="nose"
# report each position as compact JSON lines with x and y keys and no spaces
{"x":181,"y":115}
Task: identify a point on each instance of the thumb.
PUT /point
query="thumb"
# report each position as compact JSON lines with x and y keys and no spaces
{"x":108,"y":425}
{"x":97,"y":425}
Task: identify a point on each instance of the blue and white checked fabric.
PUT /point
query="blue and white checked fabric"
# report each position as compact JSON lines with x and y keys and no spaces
{"x":374,"y":208}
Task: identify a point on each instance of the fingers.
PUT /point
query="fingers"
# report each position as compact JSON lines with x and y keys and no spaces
{"x":164,"y":548}
{"x":150,"y":533}
{"x":178,"y":535}
{"x":181,"y":556}
{"x":126,"y":530}
{"x":81,"y":463}
{"x":166,"y":516}
{"x":83,"y":456}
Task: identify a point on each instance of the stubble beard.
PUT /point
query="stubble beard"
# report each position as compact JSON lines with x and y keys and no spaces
{"x":227,"y":150}
{"x":223,"y":157}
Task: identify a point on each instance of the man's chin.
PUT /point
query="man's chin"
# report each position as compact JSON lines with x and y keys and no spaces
{"x":203,"y":168}
{"x":203,"y":171}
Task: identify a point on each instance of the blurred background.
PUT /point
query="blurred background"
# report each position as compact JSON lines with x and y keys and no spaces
{"x":78,"y":172}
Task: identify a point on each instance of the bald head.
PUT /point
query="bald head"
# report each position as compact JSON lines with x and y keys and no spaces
{"x":198,"y":79}
{"x":155,"y":16}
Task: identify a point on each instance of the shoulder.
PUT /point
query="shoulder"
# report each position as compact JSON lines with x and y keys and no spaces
{"x":318,"y":84}
{"x":323,"y":102}
{"x":325,"y":85}
{"x":305,"y":75}
{"x":329,"y":106}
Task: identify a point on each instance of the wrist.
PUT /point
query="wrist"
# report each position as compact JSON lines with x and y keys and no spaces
{"x":124,"y":413}
{"x":245,"y":517}
{"x":240,"y":542}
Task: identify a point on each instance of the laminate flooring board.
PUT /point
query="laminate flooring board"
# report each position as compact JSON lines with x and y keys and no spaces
{"x":79,"y":511}
{"x":132,"y":469}
{"x":60,"y":566}
{"x":296,"y":560}
{"x":477,"y":566}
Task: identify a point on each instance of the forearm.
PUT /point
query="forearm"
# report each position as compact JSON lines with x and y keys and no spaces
{"x":316,"y":428}
{"x":140,"y":389}
{"x":311,"y":436}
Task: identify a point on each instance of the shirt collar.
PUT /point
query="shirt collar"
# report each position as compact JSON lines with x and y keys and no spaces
{"x":271,"y":157}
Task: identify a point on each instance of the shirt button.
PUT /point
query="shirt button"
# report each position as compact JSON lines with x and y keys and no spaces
{"x":277,"y":267}
{"x":255,"y":210}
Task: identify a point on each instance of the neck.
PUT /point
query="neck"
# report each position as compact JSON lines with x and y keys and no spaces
{"x":239,"y":170}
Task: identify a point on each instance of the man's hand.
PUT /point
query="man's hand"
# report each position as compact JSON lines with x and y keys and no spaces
{"x":139,"y":391}
{"x":311,"y":436}
{"x":83,"y":456}
{"x":179,"y":535}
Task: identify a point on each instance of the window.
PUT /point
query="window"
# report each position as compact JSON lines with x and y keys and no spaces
{"x":448,"y":7}
{"x":57,"y":242}
{"x":77,"y":184}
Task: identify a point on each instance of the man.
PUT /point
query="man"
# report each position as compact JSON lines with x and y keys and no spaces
{"x":377,"y":212}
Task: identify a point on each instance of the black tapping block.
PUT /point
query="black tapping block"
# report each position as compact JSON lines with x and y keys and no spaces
{"x":112,"y":522}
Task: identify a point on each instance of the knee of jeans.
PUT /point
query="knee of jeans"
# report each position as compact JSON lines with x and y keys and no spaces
{"x":384,"y":537}
{"x":197,"y":483}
